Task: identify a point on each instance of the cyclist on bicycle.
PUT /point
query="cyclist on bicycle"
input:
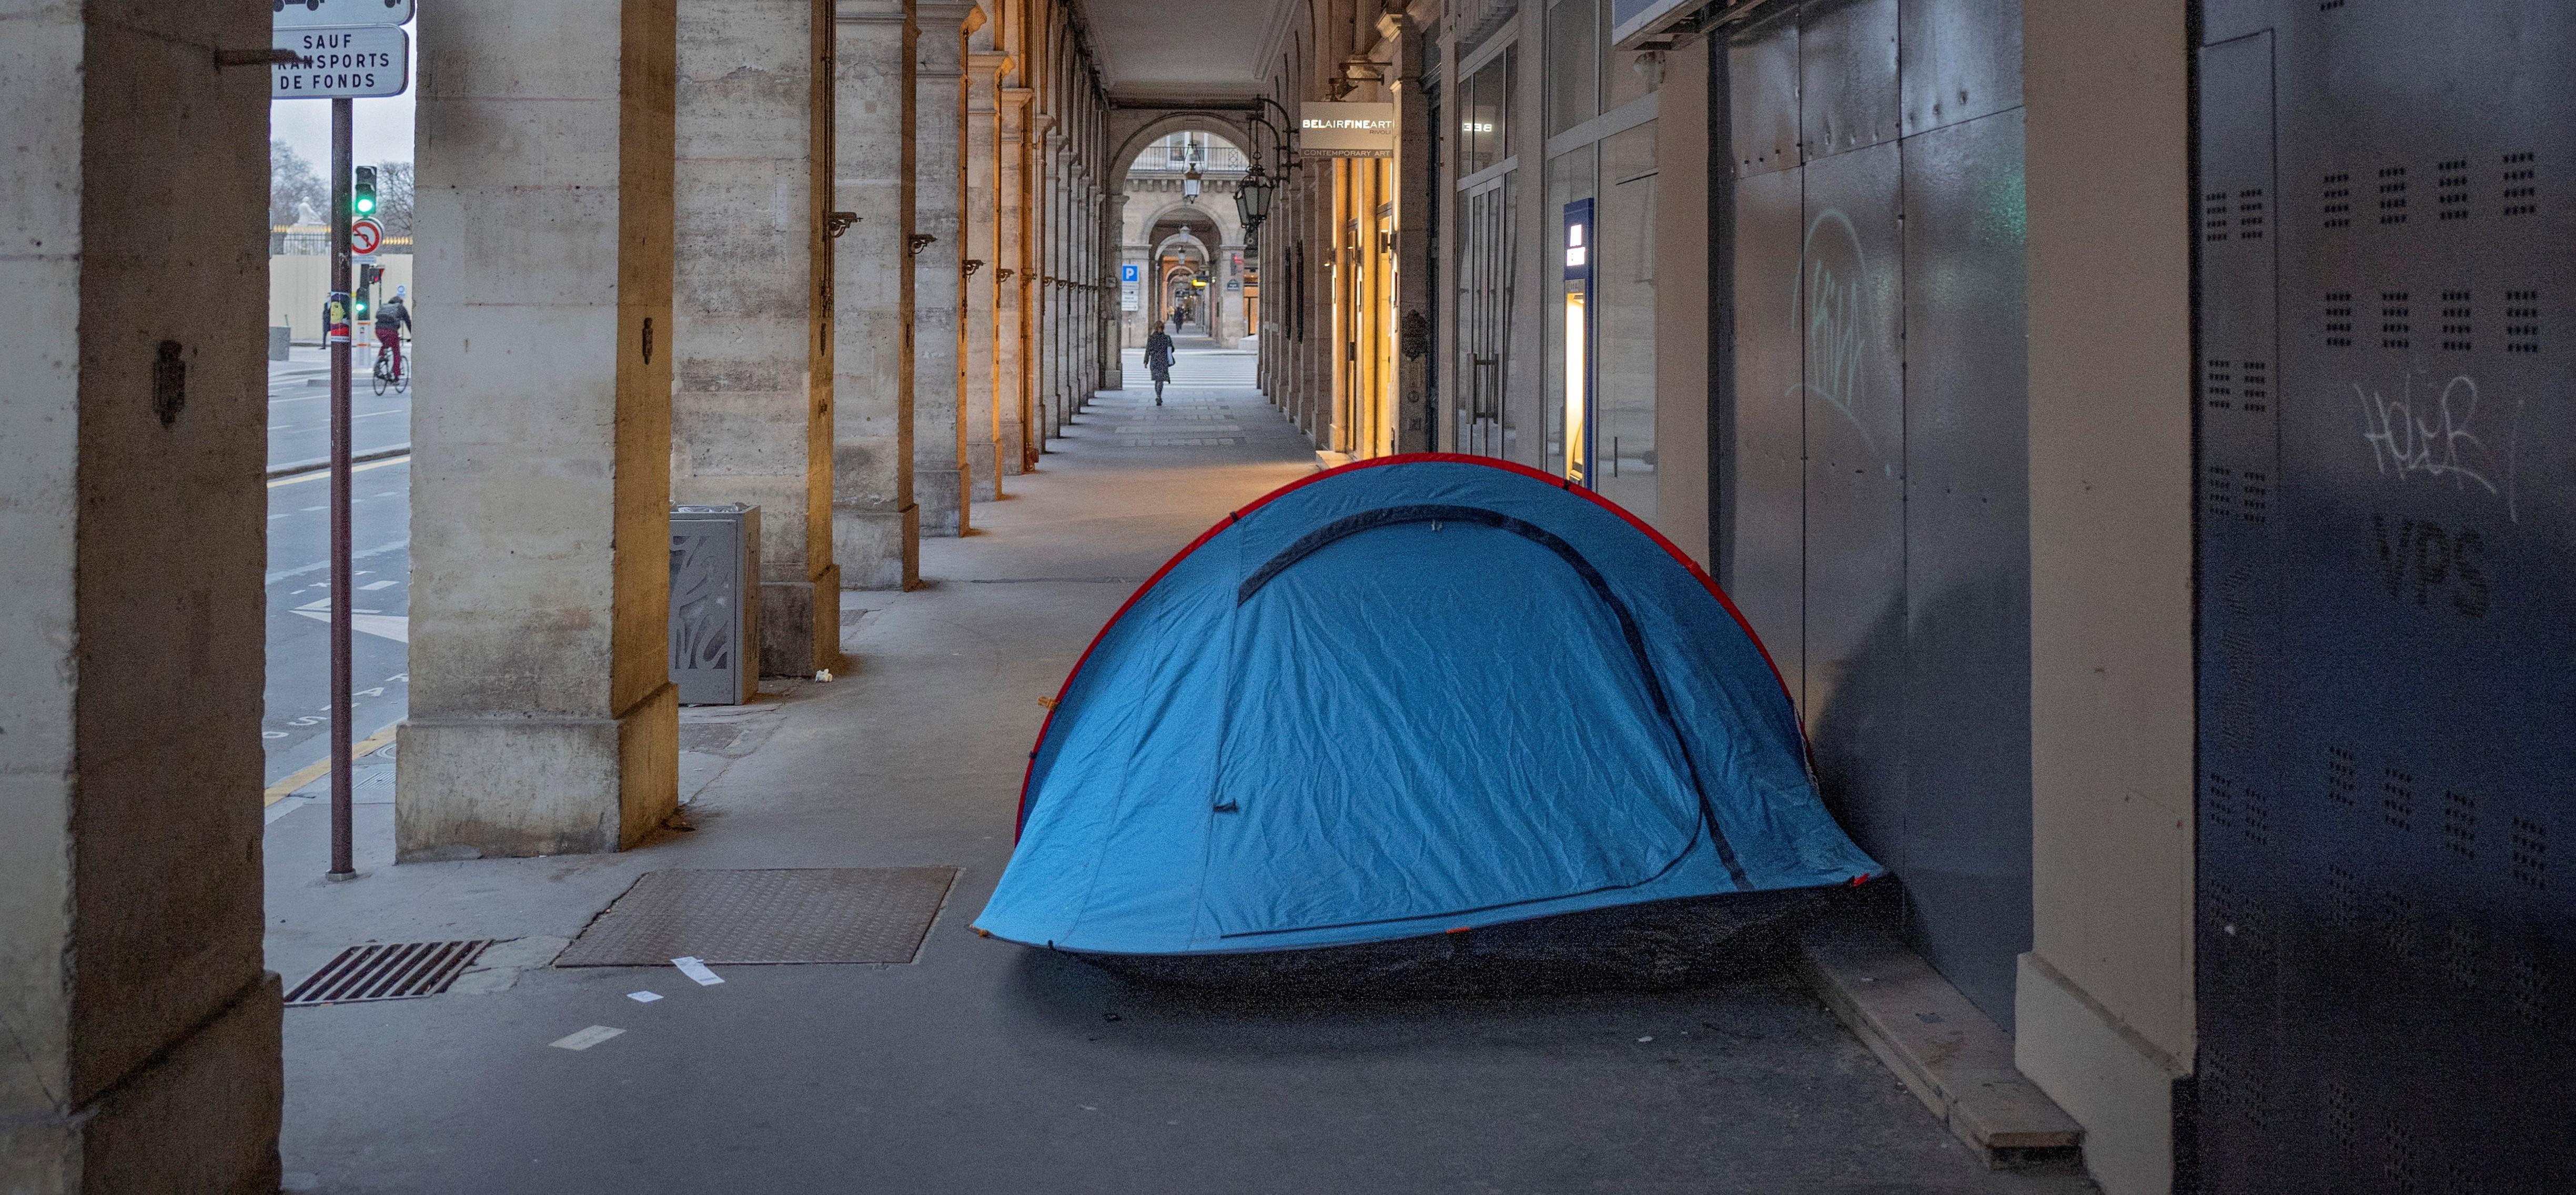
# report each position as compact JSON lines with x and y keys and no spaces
{"x":393,"y":318}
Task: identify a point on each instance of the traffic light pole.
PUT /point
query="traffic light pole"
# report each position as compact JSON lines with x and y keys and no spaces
{"x":343,"y":120}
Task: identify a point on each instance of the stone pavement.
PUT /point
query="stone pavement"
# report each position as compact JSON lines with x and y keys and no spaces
{"x":985,"y":1066}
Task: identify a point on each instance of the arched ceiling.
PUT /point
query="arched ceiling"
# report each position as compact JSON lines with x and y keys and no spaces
{"x":1202,"y":50}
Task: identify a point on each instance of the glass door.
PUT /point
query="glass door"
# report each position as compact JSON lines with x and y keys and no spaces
{"x":1484,"y":317}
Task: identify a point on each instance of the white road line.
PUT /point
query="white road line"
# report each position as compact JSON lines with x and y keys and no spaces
{"x":324,"y":474}
{"x":318,"y":566}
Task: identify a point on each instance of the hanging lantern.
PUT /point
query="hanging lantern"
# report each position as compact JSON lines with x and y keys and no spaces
{"x":1252,"y":199}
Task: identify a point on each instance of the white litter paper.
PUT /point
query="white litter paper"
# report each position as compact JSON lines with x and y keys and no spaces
{"x":643,"y":997}
{"x":585,"y":1039}
{"x":691,"y":967}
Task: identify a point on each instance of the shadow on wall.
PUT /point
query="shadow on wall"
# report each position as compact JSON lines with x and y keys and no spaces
{"x":1923,"y":754}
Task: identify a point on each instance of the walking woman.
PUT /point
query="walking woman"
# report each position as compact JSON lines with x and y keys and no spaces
{"x":1158,"y":358}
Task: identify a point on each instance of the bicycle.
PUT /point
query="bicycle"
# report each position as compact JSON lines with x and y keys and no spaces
{"x":390,"y":374}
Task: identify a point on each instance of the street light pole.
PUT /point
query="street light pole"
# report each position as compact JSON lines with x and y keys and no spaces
{"x":336,"y":338}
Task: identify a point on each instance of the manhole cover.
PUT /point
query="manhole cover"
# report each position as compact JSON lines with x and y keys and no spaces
{"x":387,"y":971}
{"x":787,"y":915}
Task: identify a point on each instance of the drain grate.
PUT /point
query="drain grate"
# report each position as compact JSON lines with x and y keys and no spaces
{"x":387,"y":971}
{"x":786,"y":915}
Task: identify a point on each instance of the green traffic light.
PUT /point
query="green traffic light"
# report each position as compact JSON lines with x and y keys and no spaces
{"x":366,"y":204}
{"x":363,"y":194}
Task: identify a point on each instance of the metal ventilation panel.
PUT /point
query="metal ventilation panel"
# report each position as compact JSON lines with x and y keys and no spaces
{"x":387,"y":971}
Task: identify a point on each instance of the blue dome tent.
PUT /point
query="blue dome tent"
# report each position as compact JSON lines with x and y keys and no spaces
{"x":1408,"y":696}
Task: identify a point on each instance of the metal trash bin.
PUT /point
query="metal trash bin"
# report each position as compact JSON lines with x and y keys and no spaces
{"x":715,"y":603}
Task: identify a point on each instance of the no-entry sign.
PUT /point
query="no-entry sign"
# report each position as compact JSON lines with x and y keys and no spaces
{"x":341,"y":63}
{"x":364,"y":236}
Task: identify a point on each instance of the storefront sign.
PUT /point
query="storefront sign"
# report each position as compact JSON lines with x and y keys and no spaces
{"x":1342,"y":130}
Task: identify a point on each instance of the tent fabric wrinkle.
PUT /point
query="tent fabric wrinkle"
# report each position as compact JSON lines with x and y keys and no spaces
{"x":1402,"y":697}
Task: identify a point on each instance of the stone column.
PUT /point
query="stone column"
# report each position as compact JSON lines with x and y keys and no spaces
{"x":1111,"y":239}
{"x":982,"y":342}
{"x":1086,"y":275}
{"x":1010,"y":322}
{"x":1048,"y":151}
{"x":1282,"y":287}
{"x":876,"y":528}
{"x":1032,"y":286}
{"x":543,"y":719}
{"x":1289,"y":228}
{"x":1060,"y":308}
{"x":1315,"y":354}
{"x":1228,"y":284}
{"x":751,"y":352}
{"x":1138,"y":324}
{"x":1414,"y":275}
{"x":940,"y":482}
{"x":138,"y":1032}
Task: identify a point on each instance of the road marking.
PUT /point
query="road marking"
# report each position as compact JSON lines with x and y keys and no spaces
{"x":585,"y":1039}
{"x":317,"y":769}
{"x":377,"y":585}
{"x":396,"y":627}
{"x":320,"y":474}
{"x":306,"y":427}
{"x":300,"y":570}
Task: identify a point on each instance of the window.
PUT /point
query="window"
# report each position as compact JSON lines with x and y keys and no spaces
{"x":1573,"y":64}
{"x":1484,"y":121}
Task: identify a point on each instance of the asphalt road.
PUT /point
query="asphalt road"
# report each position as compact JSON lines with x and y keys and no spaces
{"x":295,"y":727}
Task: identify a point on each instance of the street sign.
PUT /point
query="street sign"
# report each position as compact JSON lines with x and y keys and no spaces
{"x":359,"y":63}
{"x":365,"y":236}
{"x":314,"y":14}
{"x":1127,"y":296}
{"x":1127,"y":273}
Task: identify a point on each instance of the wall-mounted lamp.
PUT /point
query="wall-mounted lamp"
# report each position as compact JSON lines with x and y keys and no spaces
{"x":1252,"y":199}
{"x":921,"y":241}
{"x":839,"y":222}
{"x":972,"y":264}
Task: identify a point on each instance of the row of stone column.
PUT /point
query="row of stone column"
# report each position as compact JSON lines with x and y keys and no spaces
{"x":1332,"y":294}
{"x":814,"y":257}
{"x":1301,"y":241}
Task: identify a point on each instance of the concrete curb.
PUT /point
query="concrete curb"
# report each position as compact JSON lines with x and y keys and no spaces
{"x":378,"y":454}
{"x":1948,"y":1053}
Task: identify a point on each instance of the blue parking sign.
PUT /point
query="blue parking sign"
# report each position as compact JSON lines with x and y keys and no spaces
{"x":1127,"y":272}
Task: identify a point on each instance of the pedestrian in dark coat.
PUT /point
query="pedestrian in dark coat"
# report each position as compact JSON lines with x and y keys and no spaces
{"x":1158,"y":358}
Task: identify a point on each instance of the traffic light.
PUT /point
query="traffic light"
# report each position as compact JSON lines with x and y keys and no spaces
{"x":363,"y":201}
{"x":362,"y":304}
